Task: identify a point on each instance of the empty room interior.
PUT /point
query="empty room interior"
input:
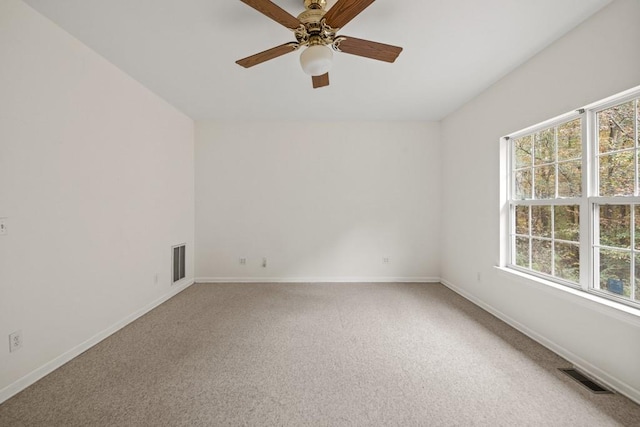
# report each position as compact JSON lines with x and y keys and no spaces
{"x":341,"y":212}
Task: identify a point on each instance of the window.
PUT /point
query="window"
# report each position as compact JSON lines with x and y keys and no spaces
{"x":574,"y":199}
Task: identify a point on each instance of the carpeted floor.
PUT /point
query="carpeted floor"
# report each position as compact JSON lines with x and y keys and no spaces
{"x":315,"y":354}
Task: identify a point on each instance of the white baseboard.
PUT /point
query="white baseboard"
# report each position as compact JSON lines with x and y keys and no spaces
{"x":584,"y":366}
{"x":47,"y":368}
{"x":349,"y":279}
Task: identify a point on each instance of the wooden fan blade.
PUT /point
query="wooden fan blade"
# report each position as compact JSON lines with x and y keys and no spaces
{"x":320,"y":81}
{"x":261,"y":57}
{"x":274,"y":12}
{"x":368,"y":49}
{"x":344,"y":11}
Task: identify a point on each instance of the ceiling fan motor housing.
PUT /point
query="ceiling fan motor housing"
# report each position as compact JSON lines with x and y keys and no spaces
{"x":315,"y":4}
{"x":313,"y":30}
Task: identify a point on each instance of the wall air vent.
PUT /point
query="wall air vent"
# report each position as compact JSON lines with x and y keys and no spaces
{"x":585,"y":381}
{"x":178,"y":262}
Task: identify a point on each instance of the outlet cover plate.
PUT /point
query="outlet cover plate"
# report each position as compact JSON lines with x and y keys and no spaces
{"x":15,"y":341}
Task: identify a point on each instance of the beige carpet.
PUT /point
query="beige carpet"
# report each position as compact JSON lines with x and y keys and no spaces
{"x":315,"y":354}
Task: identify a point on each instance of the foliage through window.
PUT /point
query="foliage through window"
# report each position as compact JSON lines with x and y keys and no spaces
{"x":574,"y":199}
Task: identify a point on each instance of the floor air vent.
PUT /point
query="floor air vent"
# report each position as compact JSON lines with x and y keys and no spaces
{"x":587,"y":382}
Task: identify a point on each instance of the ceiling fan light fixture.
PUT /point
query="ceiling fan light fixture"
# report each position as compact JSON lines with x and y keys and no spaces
{"x":316,"y":29}
{"x":316,"y":60}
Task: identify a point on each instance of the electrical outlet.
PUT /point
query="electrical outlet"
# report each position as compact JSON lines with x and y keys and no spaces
{"x":15,"y":341}
{"x":386,"y":260}
{"x":3,"y":226}
{"x":479,"y":277}
{"x":156,"y":279}
{"x":243,"y":261}
{"x":264,"y":263}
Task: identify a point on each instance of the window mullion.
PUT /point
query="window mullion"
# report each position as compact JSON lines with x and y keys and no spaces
{"x":636,"y":141}
{"x":553,"y":207}
{"x":632,"y":278}
{"x":586,"y":231}
{"x":512,"y":234}
{"x":530,"y":230}
{"x":553,"y":240}
{"x":533,"y":169}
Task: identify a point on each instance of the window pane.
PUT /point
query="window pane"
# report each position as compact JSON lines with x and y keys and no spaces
{"x":615,"y":225}
{"x":545,"y":150}
{"x":570,"y":179}
{"x":541,"y":221}
{"x":522,"y":252}
{"x":567,"y":223}
{"x":545,"y":182}
{"x":541,"y":255}
{"x":615,"y":272}
{"x":570,"y":140}
{"x":523,"y":151}
{"x":617,"y":174}
{"x":522,"y":220}
{"x":567,"y":259}
{"x":523,"y":184}
{"x":616,"y":127}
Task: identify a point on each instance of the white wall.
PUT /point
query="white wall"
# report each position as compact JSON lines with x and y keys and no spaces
{"x":597,"y":59}
{"x":321,"y":201}
{"x":96,"y":180}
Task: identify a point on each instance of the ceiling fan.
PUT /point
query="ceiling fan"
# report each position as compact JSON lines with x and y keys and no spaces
{"x":316,"y":29}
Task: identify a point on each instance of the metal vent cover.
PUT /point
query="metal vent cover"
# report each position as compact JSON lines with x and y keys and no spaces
{"x":585,"y":381}
{"x":178,"y":262}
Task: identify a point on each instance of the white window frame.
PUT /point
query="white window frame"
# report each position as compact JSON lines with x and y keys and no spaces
{"x":565,"y":118}
{"x":589,"y":201}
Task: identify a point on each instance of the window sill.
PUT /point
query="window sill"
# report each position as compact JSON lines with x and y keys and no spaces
{"x":609,"y":308}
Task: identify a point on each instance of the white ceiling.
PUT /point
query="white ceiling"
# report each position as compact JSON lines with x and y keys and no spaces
{"x":185,"y":51}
